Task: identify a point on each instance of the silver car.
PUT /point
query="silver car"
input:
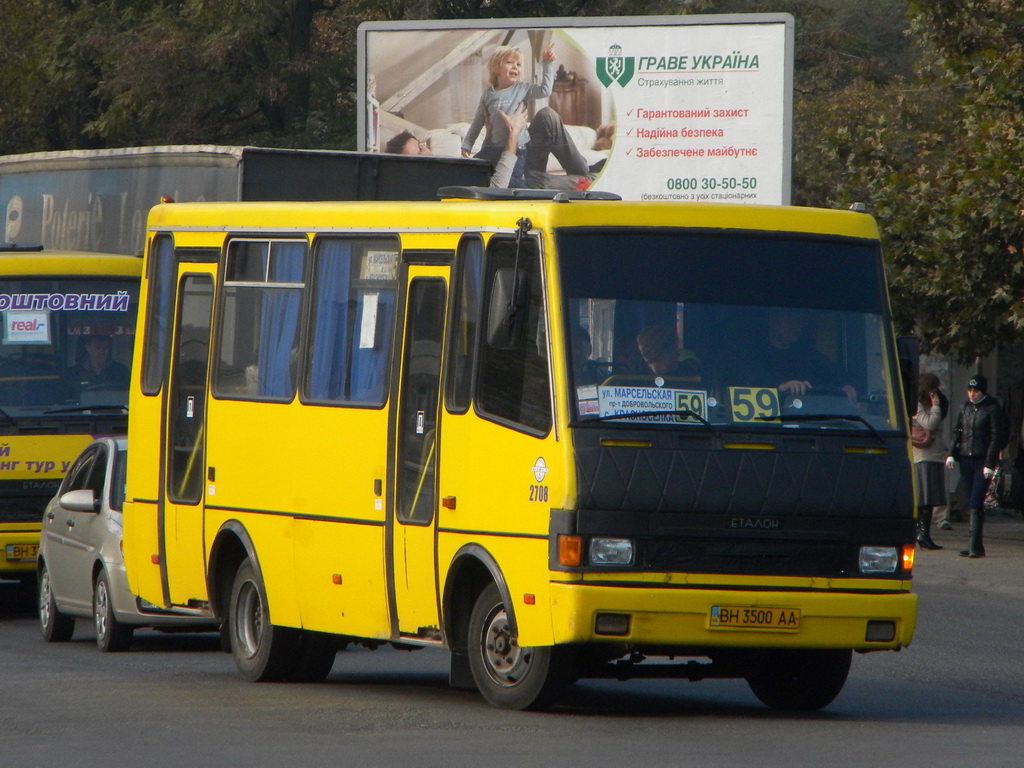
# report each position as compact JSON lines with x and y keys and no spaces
{"x":81,"y":565}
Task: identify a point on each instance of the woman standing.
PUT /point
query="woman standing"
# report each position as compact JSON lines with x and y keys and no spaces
{"x":929,"y":460}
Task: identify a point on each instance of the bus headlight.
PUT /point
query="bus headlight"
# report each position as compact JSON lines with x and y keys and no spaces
{"x":879,"y":559}
{"x":611,"y":552}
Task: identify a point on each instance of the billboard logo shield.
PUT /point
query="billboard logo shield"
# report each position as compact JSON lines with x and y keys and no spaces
{"x":615,"y":68}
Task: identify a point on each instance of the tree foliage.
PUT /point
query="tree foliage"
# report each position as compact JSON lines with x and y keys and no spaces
{"x":953,"y":210}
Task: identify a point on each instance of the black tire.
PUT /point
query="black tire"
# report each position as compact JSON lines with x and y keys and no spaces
{"x":314,"y":658}
{"x":263,"y":653}
{"x":57,"y":628}
{"x":224,"y":637}
{"x":111,"y":635}
{"x":507,"y":675}
{"x":801,"y":680}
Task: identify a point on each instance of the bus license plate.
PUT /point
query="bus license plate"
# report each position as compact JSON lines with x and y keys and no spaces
{"x":22,"y":552}
{"x":752,"y":617}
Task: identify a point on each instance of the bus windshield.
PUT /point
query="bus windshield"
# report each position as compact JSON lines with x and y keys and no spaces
{"x":66,"y":344}
{"x":709,"y":328}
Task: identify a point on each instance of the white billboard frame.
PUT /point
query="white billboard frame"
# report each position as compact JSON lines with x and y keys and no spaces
{"x":704,"y":126}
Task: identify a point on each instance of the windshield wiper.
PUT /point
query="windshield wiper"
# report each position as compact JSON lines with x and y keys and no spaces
{"x":84,"y":408}
{"x":824,"y":417}
{"x":639,"y":414}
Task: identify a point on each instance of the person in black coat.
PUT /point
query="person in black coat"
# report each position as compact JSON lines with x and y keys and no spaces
{"x":978,"y":440}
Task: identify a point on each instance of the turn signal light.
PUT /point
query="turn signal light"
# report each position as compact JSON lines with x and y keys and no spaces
{"x":908,"y":559}
{"x":570,"y":551}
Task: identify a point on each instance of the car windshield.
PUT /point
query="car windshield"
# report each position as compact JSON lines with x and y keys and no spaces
{"x":66,"y":345}
{"x":755,"y":330}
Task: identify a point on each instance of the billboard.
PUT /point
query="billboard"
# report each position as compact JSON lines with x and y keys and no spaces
{"x":692,"y":108}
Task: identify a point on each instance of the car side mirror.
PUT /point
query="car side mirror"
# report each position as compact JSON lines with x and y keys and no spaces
{"x":82,"y":500}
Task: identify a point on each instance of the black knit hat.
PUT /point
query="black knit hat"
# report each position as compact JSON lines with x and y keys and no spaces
{"x":979,"y":383}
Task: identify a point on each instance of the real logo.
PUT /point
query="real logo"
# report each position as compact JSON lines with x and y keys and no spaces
{"x":615,"y":68}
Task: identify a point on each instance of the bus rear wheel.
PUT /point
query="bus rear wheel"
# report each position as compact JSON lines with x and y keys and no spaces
{"x":801,"y":680}
{"x":262,"y":652}
{"x":506,"y":674}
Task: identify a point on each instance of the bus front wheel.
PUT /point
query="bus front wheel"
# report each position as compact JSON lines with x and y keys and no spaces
{"x":800,"y":680}
{"x":262,"y":651}
{"x":506,"y":674}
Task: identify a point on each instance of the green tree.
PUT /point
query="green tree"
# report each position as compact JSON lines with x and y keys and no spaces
{"x":44,"y":90}
{"x":952,"y":212}
{"x":203,"y":71}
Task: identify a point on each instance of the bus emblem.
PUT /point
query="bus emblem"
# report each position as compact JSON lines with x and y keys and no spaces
{"x":540,"y":469}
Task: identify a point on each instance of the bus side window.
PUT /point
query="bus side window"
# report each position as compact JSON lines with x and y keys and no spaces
{"x":513,"y":383}
{"x":353,"y":308}
{"x":162,"y":283}
{"x":259,"y":325}
{"x":462,"y":339}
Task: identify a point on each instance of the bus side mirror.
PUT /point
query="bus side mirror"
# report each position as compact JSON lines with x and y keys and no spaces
{"x":908,"y":352}
{"x":506,"y":315}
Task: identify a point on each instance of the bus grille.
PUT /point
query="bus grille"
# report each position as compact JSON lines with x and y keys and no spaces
{"x":25,"y":509}
{"x":762,"y":558}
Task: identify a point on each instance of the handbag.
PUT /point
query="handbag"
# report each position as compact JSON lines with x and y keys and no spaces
{"x":920,"y":437}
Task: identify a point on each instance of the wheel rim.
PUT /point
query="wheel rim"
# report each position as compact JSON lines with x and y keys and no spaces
{"x":249,"y":619}
{"x":101,"y":607}
{"x":506,"y":662}
{"x":45,"y":597}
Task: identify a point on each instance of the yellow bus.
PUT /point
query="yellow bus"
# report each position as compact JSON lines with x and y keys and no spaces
{"x":455,"y":425}
{"x":68,"y":329}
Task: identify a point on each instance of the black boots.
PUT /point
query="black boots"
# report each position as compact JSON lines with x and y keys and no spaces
{"x":924,"y":529}
{"x":975,"y":548}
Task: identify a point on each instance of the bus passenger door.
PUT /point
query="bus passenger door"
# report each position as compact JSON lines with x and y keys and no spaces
{"x":412,"y":553}
{"x":183,"y":460}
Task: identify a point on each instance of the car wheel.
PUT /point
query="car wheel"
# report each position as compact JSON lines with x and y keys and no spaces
{"x":111,"y":635}
{"x":263,"y":653}
{"x":57,"y":628}
{"x":801,"y":680}
{"x":506,"y":674}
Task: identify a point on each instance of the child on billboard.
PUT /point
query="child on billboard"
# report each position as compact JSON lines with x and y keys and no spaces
{"x":507,"y":94}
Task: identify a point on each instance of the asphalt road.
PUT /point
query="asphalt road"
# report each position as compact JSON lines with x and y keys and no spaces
{"x":954,"y":698}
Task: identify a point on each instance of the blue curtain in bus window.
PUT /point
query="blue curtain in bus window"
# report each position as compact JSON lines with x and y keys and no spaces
{"x":371,"y":344}
{"x":279,"y":321}
{"x":330,"y":338}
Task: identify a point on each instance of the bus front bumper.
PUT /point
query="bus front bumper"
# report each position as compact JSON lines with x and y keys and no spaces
{"x":644,"y":615}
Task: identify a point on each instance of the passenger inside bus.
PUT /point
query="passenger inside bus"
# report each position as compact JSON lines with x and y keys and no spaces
{"x":660,"y":350}
{"x":96,"y":368}
{"x":787,"y":361}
